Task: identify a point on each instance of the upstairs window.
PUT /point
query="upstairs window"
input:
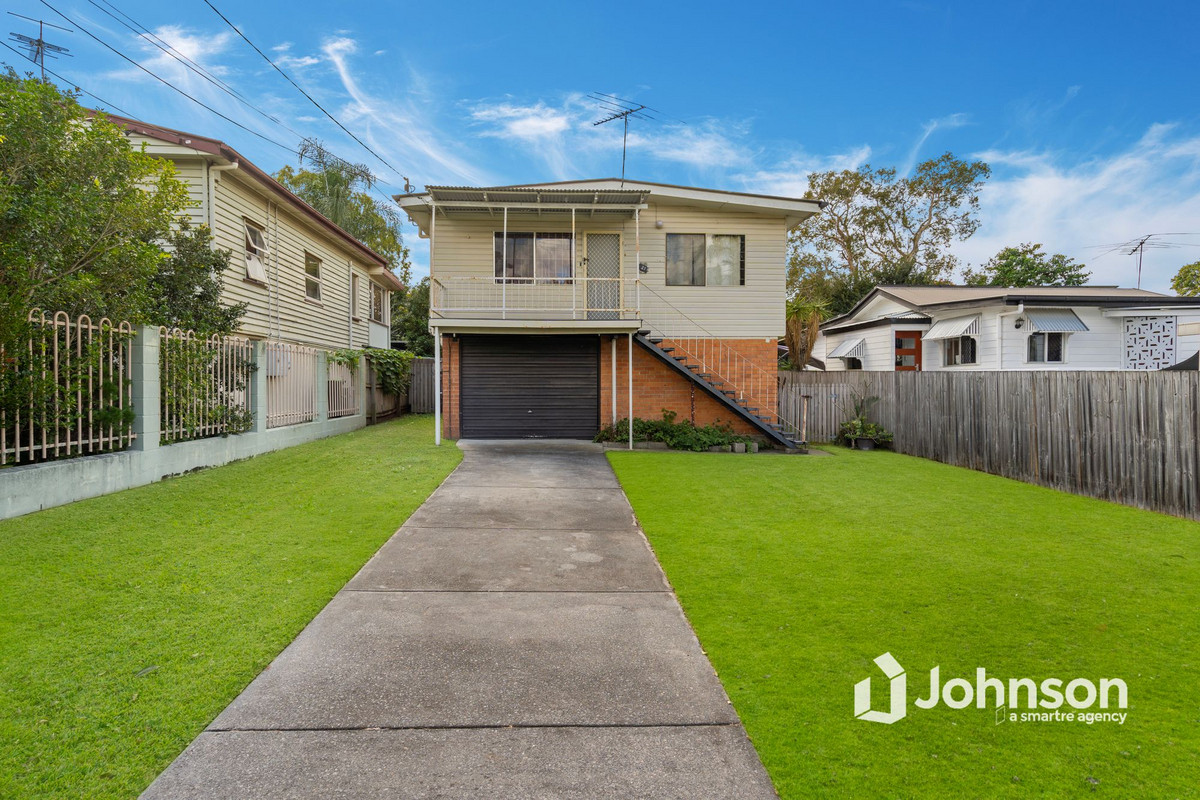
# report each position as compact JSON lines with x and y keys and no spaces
{"x":959,"y":351}
{"x":706,"y":259}
{"x":379,"y":301}
{"x":529,"y":256}
{"x":256,"y":253}
{"x":312,"y":277}
{"x":1047,"y":348}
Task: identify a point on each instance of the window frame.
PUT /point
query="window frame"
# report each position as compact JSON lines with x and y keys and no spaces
{"x":499,"y":264}
{"x":355,"y":289}
{"x":1062,"y":347}
{"x":958,"y":341}
{"x":380,"y":305}
{"x":251,"y":250}
{"x":708,"y":237}
{"x":309,"y":277}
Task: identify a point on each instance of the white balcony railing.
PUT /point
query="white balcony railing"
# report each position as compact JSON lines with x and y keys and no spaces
{"x":535,"y":298}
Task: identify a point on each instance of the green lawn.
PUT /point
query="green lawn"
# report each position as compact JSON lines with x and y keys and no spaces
{"x":797,"y":572}
{"x":130,"y":621}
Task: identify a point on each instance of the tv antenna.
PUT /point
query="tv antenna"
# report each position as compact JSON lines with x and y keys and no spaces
{"x":39,"y":48}
{"x":1137,"y":247}
{"x":618,"y":109}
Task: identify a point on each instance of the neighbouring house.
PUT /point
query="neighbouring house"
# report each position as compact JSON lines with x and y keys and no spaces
{"x":559,"y":308}
{"x":303,"y":278}
{"x":915,"y":328}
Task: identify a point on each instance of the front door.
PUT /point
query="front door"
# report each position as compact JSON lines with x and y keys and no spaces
{"x":908,"y":351}
{"x":602,"y":257}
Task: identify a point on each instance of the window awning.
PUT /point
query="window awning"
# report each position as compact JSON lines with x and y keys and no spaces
{"x":1054,"y":320}
{"x":466,"y":200}
{"x":954,"y":328}
{"x":851,"y":348}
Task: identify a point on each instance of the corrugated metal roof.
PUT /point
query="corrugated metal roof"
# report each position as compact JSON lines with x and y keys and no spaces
{"x":910,"y":315}
{"x":1054,"y":320}
{"x":954,"y":328}
{"x":851,"y":348}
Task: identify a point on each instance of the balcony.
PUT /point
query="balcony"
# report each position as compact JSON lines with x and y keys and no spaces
{"x":535,"y":299}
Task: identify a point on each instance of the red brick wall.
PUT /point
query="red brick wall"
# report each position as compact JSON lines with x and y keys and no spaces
{"x":450,"y":388}
{"x":655,"y":385}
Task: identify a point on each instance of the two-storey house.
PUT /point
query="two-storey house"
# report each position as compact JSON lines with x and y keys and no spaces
{"x":562,"y":307}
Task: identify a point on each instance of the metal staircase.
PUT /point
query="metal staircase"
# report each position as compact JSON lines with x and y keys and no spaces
{"x":736,"y":400}
{"x":714,"y":366}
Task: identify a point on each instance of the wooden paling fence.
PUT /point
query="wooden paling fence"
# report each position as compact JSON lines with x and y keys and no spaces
{"x":420,"y":392}
{"x":66,"y":389}
{"x":380,"y":404}
{"x":204,"y":384}
{"x":1129,"y":437}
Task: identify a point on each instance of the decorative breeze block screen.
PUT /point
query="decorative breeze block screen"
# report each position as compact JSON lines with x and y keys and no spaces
{"x":1149,"y":342}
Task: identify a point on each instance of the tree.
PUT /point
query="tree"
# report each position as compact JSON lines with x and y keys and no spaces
{"x":81,"y":210}
{"x":1187,"y":281}
{"x":802,"y":326}
{"x":876,"y":224}
{"x":1027,"y":265}
{"x":341,"y":191}
{"x":410,"y":318}
{"x":186,"y":291}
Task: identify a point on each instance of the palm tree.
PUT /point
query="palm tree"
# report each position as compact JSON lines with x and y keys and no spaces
{"x":802,"y":326}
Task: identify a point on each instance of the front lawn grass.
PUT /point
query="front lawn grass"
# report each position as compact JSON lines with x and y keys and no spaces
{"x":130,"y":621}
{"x":797,"y":571}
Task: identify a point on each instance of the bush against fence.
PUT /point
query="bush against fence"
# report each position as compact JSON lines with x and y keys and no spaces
{"x":204,"y":384}
{"x":67,"y":390}
{"x":1129,"y":437}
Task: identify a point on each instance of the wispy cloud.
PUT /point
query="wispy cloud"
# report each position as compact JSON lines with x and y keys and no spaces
{"x":942,"y":123}
{"x":199,"y":48}
{"x":789,"y":178}
{"x":1151,"y":186}
{"x":401,"y":128}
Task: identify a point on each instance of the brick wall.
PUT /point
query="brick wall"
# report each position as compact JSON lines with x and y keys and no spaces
{"x":450,"y":387}
{"x":655,"y":386}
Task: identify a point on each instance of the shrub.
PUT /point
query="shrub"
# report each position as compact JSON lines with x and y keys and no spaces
{"x":676,"y":435}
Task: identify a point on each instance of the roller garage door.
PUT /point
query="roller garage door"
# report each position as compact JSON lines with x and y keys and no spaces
{"x":516,"y":387}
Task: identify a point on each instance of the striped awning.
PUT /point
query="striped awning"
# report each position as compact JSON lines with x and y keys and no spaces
{"x":851,"y":348}
{"x":954,"y":328}
{"x":1054,"y":320}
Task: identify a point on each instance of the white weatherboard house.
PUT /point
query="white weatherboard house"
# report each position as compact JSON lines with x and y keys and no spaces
{"x":922,"y":328}
{"x":304,"y":279}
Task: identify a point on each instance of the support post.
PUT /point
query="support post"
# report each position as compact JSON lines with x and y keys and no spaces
{"x":637,"y":258}
{"x":504,"y":269}
{"x":322,"y":386}
{"x":258,"y":388}
{"x":437,"y":387}
{"x":613,"y":361}
{"x":147,"y":390}
{"x":631,"y":391}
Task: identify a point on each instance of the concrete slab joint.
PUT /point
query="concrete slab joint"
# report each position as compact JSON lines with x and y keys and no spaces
{"x":515,"y":638}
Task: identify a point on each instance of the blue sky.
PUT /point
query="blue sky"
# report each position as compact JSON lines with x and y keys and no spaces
{"x":1089,"y":113}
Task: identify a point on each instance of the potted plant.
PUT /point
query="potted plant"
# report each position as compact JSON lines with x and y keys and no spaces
{"x":857,"y":432}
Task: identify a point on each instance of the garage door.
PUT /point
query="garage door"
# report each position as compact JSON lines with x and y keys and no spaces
{"x":516,"y":387}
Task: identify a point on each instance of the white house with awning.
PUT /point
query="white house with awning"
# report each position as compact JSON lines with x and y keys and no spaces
{"x":924,"y":328}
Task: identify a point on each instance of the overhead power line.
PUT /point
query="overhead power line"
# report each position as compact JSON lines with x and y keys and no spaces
{"x":97,"y":98}
{"x":142,"y":31}
{"x":166,"y":82}
{"x":299,"y":88}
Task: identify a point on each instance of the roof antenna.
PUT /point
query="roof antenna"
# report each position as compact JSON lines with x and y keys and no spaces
{"x":622,"y":110}
{"x":39,"y":48}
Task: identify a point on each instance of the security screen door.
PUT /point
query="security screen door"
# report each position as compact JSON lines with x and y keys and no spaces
{"x":602,"y":253}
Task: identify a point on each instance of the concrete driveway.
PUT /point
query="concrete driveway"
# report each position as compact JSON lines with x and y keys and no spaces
{"x":516,"y":638}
